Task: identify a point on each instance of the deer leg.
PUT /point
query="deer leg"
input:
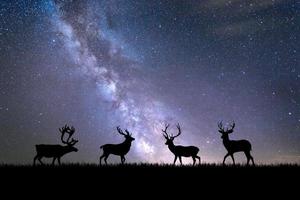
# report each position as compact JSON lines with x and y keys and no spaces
{"x":194,"y":160}
{"x":122,"y":159}
{"x":175,"y":160}
{"x":180,"y":160}
{"x":53,"y":161}
{"x":249,"y":157}
{"x":40,"y":160}
{"x":34,"y":159}
{"x":198,"y":159}
{"x":105,"y":159}
{"x":252,"y":160}
{"x":101,"y":158}
{"x":58,"y":160}
{"x":225,"y":158}
{"x":232,"y":159}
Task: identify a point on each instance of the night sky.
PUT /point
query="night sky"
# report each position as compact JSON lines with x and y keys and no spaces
{"x":138,"y":64}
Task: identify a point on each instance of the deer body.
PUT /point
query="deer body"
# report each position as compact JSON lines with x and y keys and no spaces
{"x":180,"y":151}
{"x":185,"y":151}
{"x":233,"y":146}
{"x":56,"y":151}
{"x":51,"y":151}
{"x":117,"y":149}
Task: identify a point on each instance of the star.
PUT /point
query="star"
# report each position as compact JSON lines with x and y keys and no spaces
{"x":97,"y":65}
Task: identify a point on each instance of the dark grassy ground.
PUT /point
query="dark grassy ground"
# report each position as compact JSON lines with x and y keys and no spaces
{"x":146,"y":167}
{"x":151,"y":168}
{"x":153,"y":179}
{"x":152,"y":171}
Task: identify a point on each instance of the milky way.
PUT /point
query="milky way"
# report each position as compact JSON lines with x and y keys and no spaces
{"x":100,"y":64}
{"x":136,"y":114}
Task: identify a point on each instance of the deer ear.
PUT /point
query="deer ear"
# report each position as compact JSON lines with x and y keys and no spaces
{"x":220,"y":131}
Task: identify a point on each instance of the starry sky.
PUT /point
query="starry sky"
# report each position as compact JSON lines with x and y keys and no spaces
{"x":97,"y":64}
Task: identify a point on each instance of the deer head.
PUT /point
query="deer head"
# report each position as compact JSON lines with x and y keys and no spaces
{"x":168,"y":137}
{"x":127,"y":135}
{"x":70,"y":131}
{"x":227,"y":131}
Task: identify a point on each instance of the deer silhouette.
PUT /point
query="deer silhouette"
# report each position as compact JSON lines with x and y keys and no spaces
{"x":233,"y":146}
{"x":179,"y":151}
{"x":117,"y":149}
{"x":56,"y":151}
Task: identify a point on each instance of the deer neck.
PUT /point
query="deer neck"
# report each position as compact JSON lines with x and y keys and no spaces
{"x":226,"y":141}
{"x":171,"y":146}
{"x":67,"y":149}
{"x":127,"y":143}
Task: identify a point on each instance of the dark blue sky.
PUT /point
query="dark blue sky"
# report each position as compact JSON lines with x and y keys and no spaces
{"x":139,"y":64}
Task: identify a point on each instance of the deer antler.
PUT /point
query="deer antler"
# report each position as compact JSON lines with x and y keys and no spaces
{"x":231,"y":127}
{"x":228,"y":130}
{"x":120,"y":131}
{"x":73,"y":142}
{"x":127,"y":132}
{"x":165,"y":134}
{"x":221,"y":128}
{"x":63,"y":131}
{"x":70,"y":131}
{"x":179,"y":131}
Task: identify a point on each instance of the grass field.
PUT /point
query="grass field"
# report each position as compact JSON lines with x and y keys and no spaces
{"x":147,"y":166}
{"x":153,"y":179}
{"x":154,"y":170}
